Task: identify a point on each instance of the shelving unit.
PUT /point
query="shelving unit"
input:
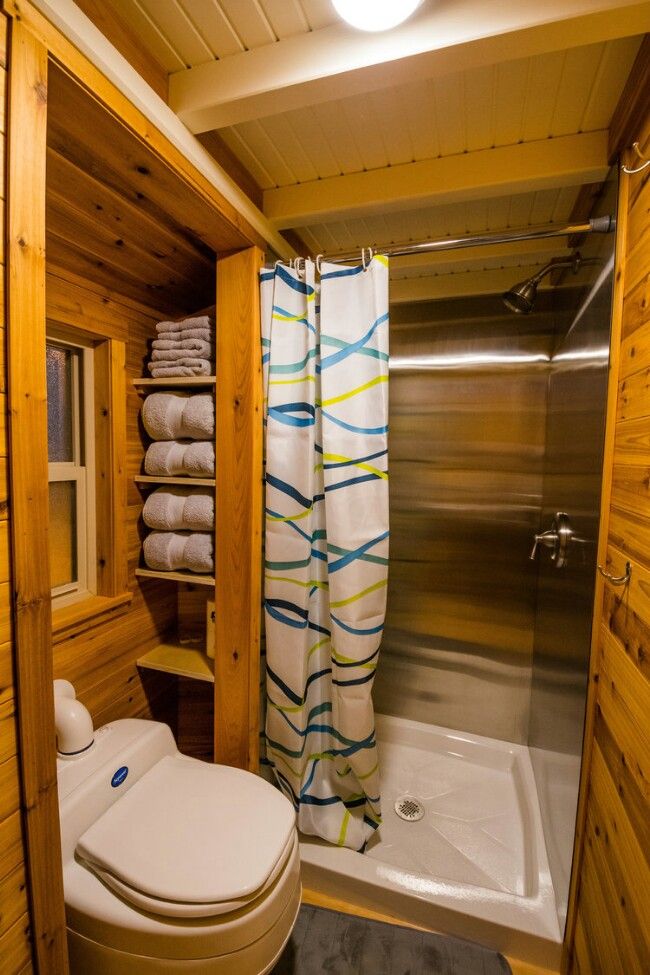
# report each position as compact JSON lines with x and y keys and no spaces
{"x":194,"y":577}
{"x":181,"y":657}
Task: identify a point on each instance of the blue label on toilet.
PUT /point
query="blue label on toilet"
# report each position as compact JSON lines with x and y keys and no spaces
{"x":119,"y":776}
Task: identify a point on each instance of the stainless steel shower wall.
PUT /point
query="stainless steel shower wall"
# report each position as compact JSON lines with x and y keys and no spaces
{"x":572,"y":483}
{"x":468,"y":386}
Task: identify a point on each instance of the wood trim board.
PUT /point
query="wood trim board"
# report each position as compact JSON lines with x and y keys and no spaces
{"x":26,"y":147}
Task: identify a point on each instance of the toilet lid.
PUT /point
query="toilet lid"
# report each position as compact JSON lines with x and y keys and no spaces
{"x":192,"y":838}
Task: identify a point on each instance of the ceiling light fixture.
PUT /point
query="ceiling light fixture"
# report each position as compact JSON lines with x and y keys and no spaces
{"x":375,"y":14}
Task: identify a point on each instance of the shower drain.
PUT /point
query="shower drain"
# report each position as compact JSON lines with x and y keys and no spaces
{"x":409,"y":808}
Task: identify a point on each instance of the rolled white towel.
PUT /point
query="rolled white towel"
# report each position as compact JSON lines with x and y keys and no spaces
{"x":179,"y":416}
{"x":199,"y":459}
{"x":197,"y":347}
{"x":182,"y":367}
{"x":170,"y":458}
{"x":170,"y":551}
{"x":179,"y":509}
{"x":203,"y":321}
{"x":162,"y":356}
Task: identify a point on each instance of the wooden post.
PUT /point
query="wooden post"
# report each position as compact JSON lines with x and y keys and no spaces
{"x":238,"y":509}
{"x":26,"y":149}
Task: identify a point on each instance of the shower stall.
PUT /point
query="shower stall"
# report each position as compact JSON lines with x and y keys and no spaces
{"x":496,"y":436}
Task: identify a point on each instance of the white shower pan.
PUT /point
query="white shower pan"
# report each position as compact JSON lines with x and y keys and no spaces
{"x":474,"y":865}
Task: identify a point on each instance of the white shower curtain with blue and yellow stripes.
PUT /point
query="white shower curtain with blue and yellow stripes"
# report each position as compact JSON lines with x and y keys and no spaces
{"x":326,"y":558}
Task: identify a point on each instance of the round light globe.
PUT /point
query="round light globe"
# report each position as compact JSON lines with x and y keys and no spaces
{"x":375,"y":14}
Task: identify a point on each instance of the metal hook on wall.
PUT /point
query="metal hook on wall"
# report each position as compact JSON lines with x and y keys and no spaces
{"x":617,"y":580}
{"x":639,"y":169}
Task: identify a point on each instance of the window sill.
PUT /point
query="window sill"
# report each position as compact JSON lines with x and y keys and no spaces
{"x":67,"y":621}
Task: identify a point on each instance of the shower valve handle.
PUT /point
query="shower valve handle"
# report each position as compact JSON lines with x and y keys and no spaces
{"x":558,"y":537}
{"x":548,"y":538}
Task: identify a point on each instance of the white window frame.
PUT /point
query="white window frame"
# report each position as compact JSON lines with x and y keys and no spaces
{"x":81,"y":469}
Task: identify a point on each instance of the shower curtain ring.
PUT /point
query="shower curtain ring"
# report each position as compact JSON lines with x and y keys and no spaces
{"x":363,"y":257}
{"x":319,"y":258}
{"x":300,"y":265}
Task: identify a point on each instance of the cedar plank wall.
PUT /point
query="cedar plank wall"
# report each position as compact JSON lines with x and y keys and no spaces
{"x":611,"y":923}
{"x":100,"y":659}
{"x":15,"y":949}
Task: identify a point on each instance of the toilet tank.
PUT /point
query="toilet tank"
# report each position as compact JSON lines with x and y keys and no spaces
{"x":90,"y":783}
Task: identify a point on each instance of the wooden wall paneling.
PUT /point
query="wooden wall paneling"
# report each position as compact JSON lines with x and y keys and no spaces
{"x":62,"y":254}
{"x":29,"y":492}
{"x":226,"y":218}
{"x":125,"y":219}
{"x":607,"y":928}
{"x":81,"y":130}
{"x":70,"y":230}
{"x":238,"y":512}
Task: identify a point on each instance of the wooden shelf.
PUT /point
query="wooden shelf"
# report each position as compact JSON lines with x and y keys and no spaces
{"x":183,"y":661}
{"x":181,"y":481}
{"x":178,"y":381}
{"x":194,"y":577}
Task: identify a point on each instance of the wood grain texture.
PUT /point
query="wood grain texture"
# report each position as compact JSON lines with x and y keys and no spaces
{"x":227,"y":221}
{"x":110,"y":466}
{"x":607,"y":929}
{"x":238,"y":511}
{"x":120,"y":34}
{"x":633,"y":106}
{"x":29,"y":498}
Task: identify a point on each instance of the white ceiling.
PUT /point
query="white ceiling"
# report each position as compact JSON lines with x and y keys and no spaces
{"x":543,"y":84}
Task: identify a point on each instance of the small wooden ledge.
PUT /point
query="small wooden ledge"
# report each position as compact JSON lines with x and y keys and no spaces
{"x":194,"y":577}
{"x":182,"y":661}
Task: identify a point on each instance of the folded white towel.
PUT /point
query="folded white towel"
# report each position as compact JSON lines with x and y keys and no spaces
{"x":204,"y":334}
{"x":198,"y":347}
{"x":203,"y":321}
{"x":170,"y":458}
{"x":179,"y":508}
{"x":169,"y":551}
{"x":182,"y":367}
{"x":179,"y":416}
{"x":174,"y":355}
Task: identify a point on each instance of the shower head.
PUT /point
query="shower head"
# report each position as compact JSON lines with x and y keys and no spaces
{"x":522,"y":296}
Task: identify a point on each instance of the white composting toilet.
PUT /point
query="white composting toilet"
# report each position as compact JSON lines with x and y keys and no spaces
{"x":170,"y":864}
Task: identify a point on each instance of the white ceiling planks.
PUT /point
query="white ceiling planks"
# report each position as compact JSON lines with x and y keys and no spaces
{"x":519,"y":101}
{"x":450,"y":220}
{"x":338,"y":153}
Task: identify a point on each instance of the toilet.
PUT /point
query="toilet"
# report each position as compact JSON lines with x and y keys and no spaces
{"x":172,"y":864}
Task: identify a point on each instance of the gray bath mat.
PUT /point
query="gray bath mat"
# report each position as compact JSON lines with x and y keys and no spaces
{"x":328,"y":943}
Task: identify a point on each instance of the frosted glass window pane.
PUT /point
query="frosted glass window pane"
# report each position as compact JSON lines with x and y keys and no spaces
{"x":59,"y":404}
{"x":63,"y":533}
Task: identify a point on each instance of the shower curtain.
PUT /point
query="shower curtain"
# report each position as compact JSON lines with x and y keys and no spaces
{"x":326,"y":558}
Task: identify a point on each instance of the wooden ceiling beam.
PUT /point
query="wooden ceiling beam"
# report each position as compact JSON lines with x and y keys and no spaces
{"x":441,"y":39}
{"x":569,"y":160}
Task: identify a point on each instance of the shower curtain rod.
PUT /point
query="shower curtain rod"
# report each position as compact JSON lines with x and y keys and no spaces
{"x":596,"y":225}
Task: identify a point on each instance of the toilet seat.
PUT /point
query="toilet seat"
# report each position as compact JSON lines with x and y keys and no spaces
{"x":177,"y":845}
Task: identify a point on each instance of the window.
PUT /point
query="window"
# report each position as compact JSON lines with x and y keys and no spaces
{"x":70,"y":440}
